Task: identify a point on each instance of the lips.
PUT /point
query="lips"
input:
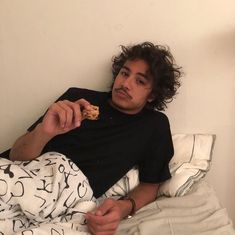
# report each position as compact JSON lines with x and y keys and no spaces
{"x":122,"y":93}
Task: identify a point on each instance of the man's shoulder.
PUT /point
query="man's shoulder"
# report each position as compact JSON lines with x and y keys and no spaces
{"x":158,"y":115}
{"x":157,"y":119}
{"x":74,"y":93}
{"x":77,"y":90}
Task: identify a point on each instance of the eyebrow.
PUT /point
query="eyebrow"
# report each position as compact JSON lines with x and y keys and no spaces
{"x":141,"y":74}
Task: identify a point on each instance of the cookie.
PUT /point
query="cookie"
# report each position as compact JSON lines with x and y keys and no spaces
{"x":91,"y":114}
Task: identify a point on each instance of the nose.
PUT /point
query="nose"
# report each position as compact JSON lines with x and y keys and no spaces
{"x":127,"y":83}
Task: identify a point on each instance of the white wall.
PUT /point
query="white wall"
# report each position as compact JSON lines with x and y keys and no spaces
{"x":47,"y":46}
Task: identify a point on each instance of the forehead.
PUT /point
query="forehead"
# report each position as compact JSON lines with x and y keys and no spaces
{"x":137,"y":65}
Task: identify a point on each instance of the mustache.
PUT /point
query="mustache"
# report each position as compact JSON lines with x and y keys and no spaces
{"x":123,"y":90}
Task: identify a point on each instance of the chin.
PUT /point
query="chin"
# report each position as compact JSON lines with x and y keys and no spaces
{"x":119,"y":105}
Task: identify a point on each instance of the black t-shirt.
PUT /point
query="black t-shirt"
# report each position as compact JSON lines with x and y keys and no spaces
{"x":107,"y":148}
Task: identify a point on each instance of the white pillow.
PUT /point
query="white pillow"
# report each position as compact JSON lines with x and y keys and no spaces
{"x":191,"y":161}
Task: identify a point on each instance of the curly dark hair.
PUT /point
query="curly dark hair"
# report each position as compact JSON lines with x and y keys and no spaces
{"x":164,"y":71}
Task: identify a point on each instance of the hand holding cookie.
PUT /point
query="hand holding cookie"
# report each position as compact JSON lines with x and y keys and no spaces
{"x":66,"y":115}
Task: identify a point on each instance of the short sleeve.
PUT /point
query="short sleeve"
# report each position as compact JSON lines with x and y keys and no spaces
{"x":72,"y":94}
{"x":155,"y":166}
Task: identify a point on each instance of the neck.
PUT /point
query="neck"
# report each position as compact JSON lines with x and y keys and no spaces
{"x":126,"y":111}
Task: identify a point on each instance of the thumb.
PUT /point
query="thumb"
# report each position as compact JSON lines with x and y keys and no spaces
{"x":83,"y":103}
{"x":104,"y":207}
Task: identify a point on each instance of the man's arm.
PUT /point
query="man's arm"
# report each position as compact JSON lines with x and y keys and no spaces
{"x":29,"y":145}
{"x":143,"y":194}
{"x":108,"y":215}
{"x":60,"y":118}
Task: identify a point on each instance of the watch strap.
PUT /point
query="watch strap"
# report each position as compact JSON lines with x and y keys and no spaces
{"x":133,"y":204}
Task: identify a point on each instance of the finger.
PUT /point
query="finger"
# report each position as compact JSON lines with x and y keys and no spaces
{"x":84,"y":103}
{"x":59,"y":112}
{"x":67,"y":113}
{"x":107,"y":205}
{"x":77,"y":115}
{"x":111,"y":217}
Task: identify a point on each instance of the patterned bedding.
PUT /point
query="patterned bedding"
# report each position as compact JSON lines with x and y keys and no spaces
{"x":50,"y":195}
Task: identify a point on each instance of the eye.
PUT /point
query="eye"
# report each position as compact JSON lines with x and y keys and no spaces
{"x":140,"y":81}
{"x":124,"y":73}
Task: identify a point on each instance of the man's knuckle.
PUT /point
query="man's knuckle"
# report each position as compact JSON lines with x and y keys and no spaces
{"x":114,"y":226}
{"x":116,"y":216}
{"x":65,"y":101}
{"x":77,"y":108}
{"x":83,"y":101}
{"x":99,"y":228}
{"x":60,"y":102}
{"x":53,"y":106}
{"x":61,"y":112}
{"x":69,"y":111}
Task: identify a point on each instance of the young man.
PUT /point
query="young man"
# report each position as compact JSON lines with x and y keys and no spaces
{"x":129,"y":131}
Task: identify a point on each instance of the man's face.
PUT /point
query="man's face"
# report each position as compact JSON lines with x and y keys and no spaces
{"x":132,"y":87}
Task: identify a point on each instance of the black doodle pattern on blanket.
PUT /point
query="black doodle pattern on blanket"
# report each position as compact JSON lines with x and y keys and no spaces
{"x":42,"y":190}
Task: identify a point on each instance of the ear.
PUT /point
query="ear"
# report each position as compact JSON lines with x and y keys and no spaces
{"x":151,"y":98}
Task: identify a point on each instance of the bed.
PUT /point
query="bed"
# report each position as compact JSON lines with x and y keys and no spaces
{"x":186,"y":203}
{"x":198,"y":212}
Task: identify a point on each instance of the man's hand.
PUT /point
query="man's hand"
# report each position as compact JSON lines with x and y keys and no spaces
{"x":63,"y":116}
{"x":60,"y":118}
{"x":106,"y":218}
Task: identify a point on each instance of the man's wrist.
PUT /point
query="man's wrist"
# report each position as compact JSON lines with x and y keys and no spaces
{"x":132,"y":206}
{"x":42,"y":134}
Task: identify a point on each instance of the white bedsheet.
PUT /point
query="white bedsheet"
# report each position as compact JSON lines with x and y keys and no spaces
{"x":199,"y":212}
